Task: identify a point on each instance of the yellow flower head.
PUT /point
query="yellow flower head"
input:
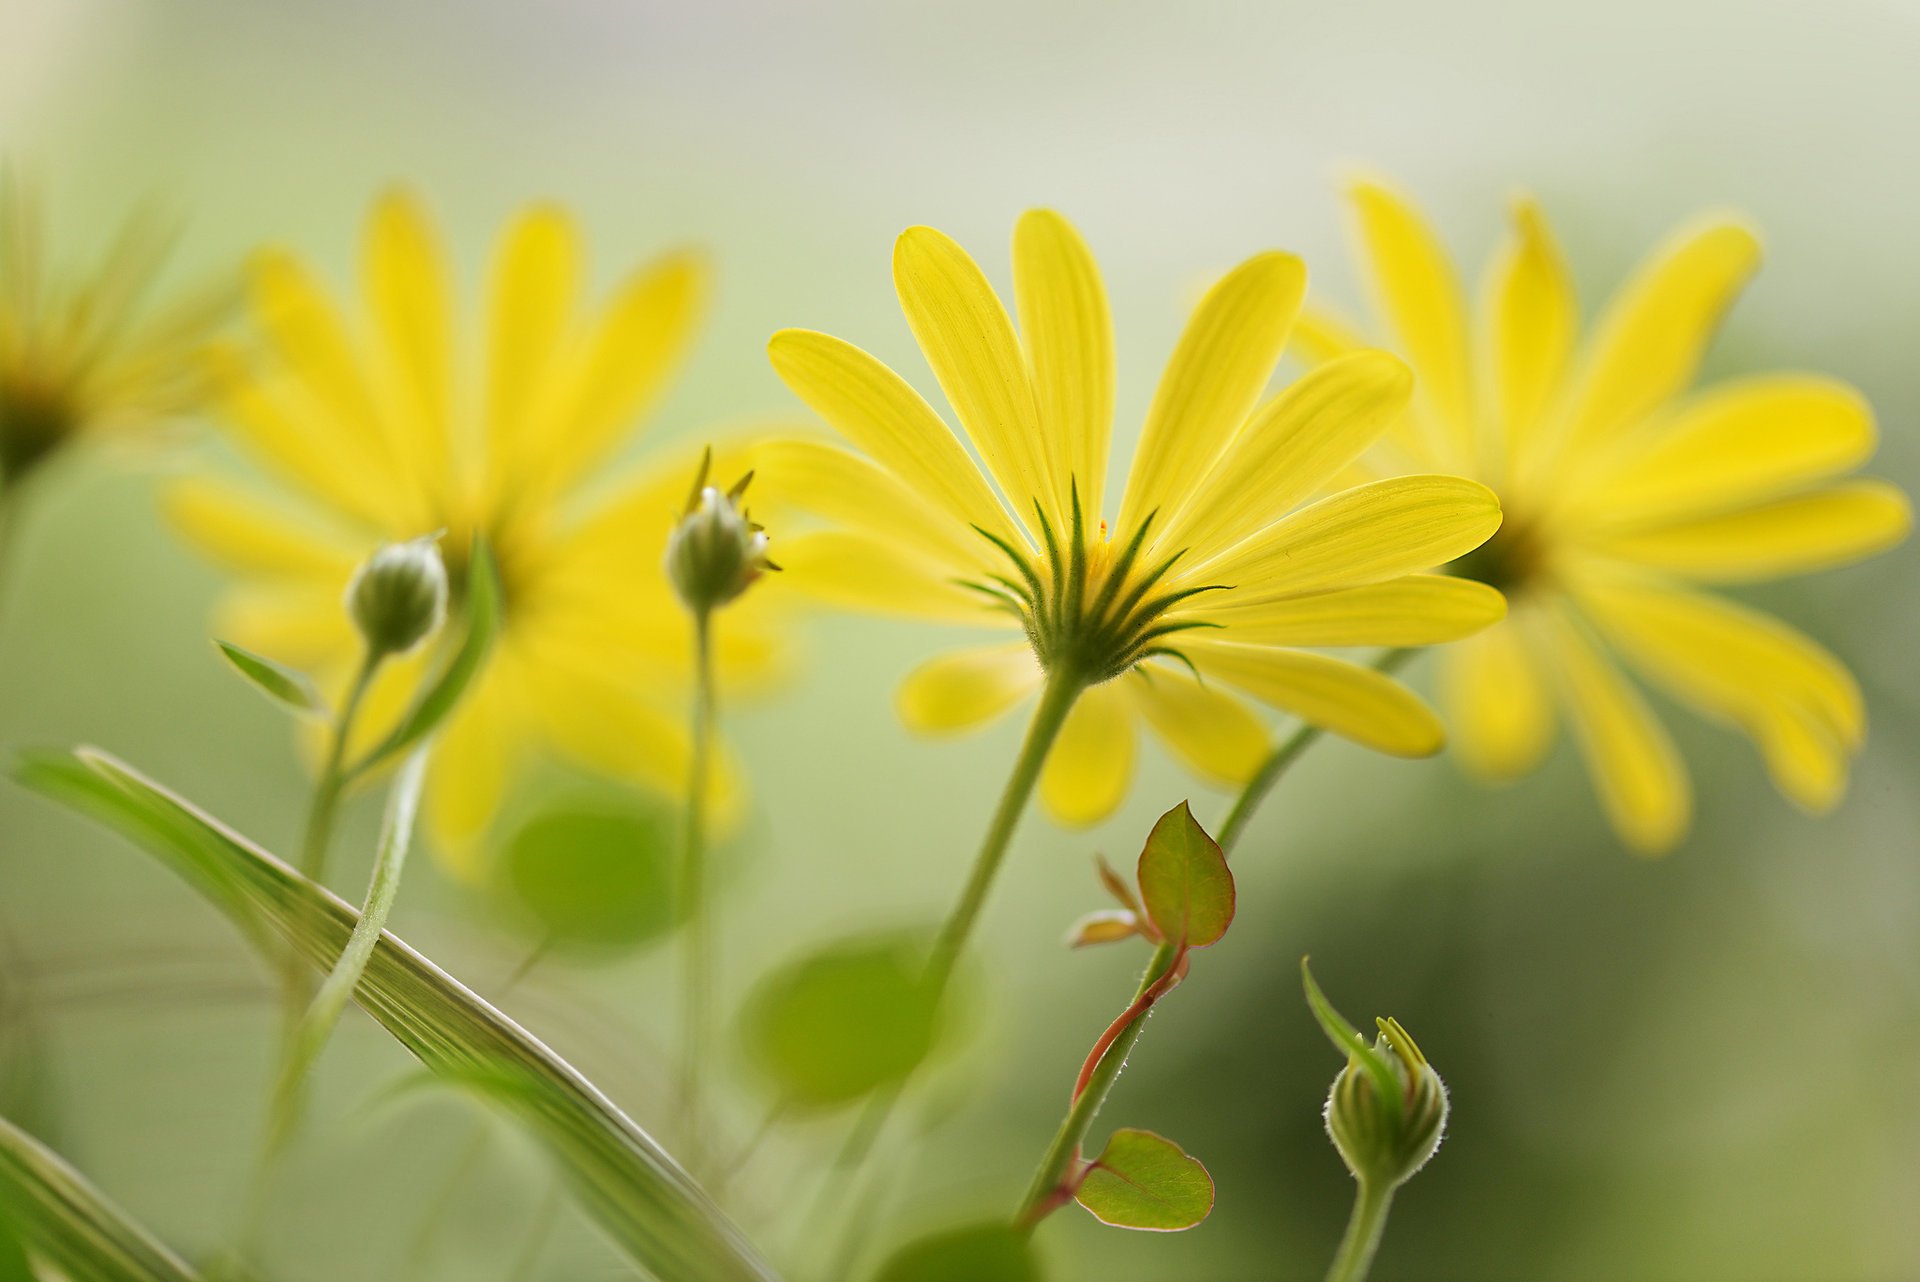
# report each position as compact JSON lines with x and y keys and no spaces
{"x":384,"y":428}
{"x":1207,"y":569}
{"x":1623,"y":490}
{"x":86,"y":358}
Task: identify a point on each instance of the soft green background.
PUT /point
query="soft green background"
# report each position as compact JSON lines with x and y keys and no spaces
{"x":1682,"y":1071}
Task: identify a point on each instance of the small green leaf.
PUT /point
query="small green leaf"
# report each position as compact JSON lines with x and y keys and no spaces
{"x":1347,"y":1040}
{"x":593,"y":873}
{"x":433,"y":704}
{"x":70,"y":1225}
{"x":1184,"y":881}
{"x":277,"y":681}
{"x":844,"y":1020}
{"x":994,"y":1252}
{"x":1144,"y":1181}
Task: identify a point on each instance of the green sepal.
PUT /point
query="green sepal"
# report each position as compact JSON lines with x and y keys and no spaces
{"x":286,"y":686}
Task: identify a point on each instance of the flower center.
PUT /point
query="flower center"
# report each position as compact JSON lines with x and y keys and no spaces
{"x":1513,"y":560}
{"x":34,"y":420}
{"x":1089,"y":606}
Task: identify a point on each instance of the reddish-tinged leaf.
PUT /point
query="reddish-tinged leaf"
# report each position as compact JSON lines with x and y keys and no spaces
{"x":1108,"y":926}
{"x":1145,"y":1181}
{"x":1184,"y":881}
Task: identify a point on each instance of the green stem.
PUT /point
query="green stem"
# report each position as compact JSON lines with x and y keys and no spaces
{"x":697,"y":968}
{"x":1043,"y":1194}
{"x":1364,"y":1227}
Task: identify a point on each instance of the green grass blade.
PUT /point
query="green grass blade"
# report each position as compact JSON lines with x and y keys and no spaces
{"x":641,"y":1198}
{"x":65,"y":1222}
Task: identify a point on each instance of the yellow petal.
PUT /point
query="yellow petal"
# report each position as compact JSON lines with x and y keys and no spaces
{"x":1743,"y":441}
{"x":1213,"y":381}
{"x":1372,"y":532}
{"x":860,"y":572}
{"x":636,"y":347}
{"x":1803,"y":759}
{"x":1068,"y":335}
{"x":853,"y":493}
{"x":1649,"y":341}
{"x":1533,"y":320}
{"x":1356,"y":703}
{"x":1087,"y":773}
{"x":1833,"y":526}
{"x":1636,"y":770}
{"x":253,"y":536}
{"x":1497,"y":703}
{"x":969,"y":342}
{"x":1322,"y":334}
{"x":1724,"y":658}
{"x":1289,"y":450}
{"x":1420,"y":299}
{"x":409,"y":296}
{"x":1415,"y":609}
{"x":1212,"y":732}
{"x":967,"y":688}
{"x":535,"y":287}
{"x":888,"y":421}
{"x":304,"y":624}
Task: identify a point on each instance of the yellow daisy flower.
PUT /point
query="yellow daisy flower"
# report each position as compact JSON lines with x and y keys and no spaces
{"x":388,"y":429}
{"x":1624,"y":493}
{"x":1208,"y":576}
{"x":87,"y":358}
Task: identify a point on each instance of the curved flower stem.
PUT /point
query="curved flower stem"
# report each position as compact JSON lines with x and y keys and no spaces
{"x":697,"y":965}
{"x":1364,"y":1227}
{"x":1042,"y":1194}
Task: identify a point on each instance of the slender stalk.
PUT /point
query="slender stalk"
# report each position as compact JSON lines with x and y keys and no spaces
{"x":698,"y":964}
{"x":1049,"y":1178}
{"x":1364,"y":1227}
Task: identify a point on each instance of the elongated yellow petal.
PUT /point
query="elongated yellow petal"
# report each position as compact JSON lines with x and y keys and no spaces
{"x":1215,"y":378}
{"x":1803,"y":759}
{"x":1636,"y":770}
{"x":1497,"y":702}
{"x":1724,"y":658}
{"x":409,"y":296}
{"x":535,"y":287}
{"x":1068,"y":335}
{"x":1356,"y":703}
{"x":853,"y":493}
{"x":1649,"y":341}
{"x":637,"y":346}
{"x":1290,"y":449}
{"x":253,"y":536}
{"x":1533,"y":320}
{"x":968,"y":341}
{"x":1415,"y":609}
{"x":1087,"y":772}
{"x":967,"y":688}
{"x":1322,"y":334}
{"x":1212,"y":732}
{"x":1833,"y":526}
{"x":1372,"y":532}
{"x":887,"y":420}
{"x":860,"y":572}
{"x":1743,"y":441}
{"x":1420,"y":299}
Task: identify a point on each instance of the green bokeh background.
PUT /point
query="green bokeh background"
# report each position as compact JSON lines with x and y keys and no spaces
{"x":1683,"y":1071}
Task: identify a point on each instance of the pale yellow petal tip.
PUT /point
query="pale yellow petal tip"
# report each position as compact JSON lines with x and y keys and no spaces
{"x":399,"y":205}
{"x":1078,"y":813}
{"x":920,"y":240}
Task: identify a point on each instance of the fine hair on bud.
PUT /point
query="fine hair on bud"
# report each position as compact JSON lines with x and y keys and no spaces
{"x":1387,"y":1110}
{"x":716,"y":550}
{"x":398,"y":596}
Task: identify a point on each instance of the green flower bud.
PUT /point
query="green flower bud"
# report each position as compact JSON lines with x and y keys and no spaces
{"x":1387,"y":1110}
{"x":398,"y":596}
{"x":716,"y":552}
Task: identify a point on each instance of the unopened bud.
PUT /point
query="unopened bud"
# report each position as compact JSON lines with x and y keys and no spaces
{"x":716,"y":552}
{"x":398,"y":596}
{"x":1387,"y":1110}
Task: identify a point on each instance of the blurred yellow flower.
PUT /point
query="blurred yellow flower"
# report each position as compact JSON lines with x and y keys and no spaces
{"x":1207,"y":572}
{"x":389,"y":428}
{"x":88,"y":358}
{"x":1623,"y":491}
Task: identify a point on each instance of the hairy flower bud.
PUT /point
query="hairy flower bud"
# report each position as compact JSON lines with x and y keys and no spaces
{"x":716,"y":552}
{"x":398,"y":596}
{"x":1387,"y":1110}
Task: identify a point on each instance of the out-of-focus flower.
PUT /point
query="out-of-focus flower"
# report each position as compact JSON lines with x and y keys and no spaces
{"x":387,"y":427}
{"x":1624,"y":492}
{"x":87,"y":358}
{"x":1207,"y":571}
